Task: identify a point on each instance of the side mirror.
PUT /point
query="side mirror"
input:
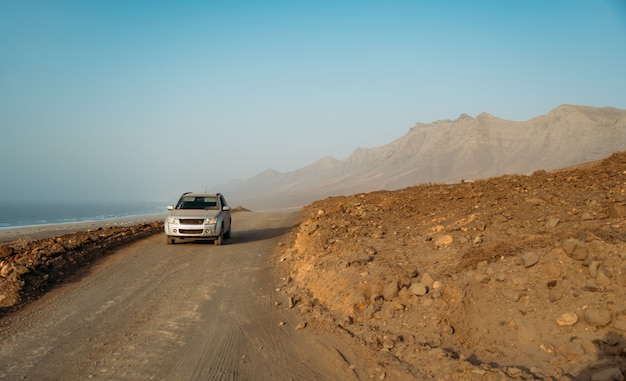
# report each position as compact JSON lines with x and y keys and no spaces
{"x":226,"y":208}
{"x":170,"y":207}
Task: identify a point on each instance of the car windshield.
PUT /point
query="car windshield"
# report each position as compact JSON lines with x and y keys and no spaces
{"x":197,"y":202}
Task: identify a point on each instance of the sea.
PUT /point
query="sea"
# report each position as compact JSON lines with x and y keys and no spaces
{"x":21,"y":214}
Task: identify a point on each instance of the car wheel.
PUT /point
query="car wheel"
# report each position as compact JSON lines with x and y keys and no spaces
{"x":220,"y":238}
{"x":169,"y":240}
{"x":227,"y":234}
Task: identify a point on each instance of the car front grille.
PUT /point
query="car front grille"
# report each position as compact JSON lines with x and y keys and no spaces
{"x":191,"y":221}
{"x":190,"y":231}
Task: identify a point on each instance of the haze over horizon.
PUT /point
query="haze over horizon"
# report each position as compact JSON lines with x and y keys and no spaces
{"x":123,"y":100}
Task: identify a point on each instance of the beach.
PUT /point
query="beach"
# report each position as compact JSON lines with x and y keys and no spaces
{"x":51,"y":230}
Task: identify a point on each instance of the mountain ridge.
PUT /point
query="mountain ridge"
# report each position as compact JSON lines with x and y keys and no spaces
{"x":447,"y":151}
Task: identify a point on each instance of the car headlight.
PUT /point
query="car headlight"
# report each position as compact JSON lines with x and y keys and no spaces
{"x":172,"y":220}
{"x":210,"y":221}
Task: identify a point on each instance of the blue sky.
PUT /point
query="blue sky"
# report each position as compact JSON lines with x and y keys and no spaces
{"x":144,"y":100}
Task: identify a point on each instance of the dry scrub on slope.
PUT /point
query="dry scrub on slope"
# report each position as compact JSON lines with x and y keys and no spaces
{"x":514,"y":277}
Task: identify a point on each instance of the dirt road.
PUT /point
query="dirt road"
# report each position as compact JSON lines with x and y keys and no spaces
{"x":191,"y":311}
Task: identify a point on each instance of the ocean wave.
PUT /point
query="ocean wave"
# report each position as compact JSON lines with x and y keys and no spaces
{"x":35,"y":214}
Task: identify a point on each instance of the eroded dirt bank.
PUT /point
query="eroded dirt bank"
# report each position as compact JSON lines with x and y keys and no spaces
{"x":515,"y":277}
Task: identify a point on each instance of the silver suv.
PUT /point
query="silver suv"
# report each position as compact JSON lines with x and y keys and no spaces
{"x":198,"y":216}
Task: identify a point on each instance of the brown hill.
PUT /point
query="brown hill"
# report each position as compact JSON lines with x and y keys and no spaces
{"x":513,"y":277}
{"x":447,"y":151}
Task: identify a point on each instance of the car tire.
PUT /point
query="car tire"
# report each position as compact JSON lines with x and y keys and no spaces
{"x":220,"y":238}
{"x":227,"y":234}
{"x":169,"y":240}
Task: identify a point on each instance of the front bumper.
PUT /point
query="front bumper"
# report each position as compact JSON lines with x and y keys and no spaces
{"x":204,"y":231}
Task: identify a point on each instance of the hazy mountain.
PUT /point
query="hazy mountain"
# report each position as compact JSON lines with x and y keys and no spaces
{"x":446,"y":151}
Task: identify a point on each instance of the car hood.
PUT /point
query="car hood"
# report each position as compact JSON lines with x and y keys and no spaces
{"x":198,"y":213}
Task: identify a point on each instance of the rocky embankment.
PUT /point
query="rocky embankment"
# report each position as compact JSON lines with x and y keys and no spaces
{"x":28,"y":268}
{"x":514,"y":277}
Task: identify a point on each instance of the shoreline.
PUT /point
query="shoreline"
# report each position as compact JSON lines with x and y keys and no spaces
{"x":33,"y":232}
